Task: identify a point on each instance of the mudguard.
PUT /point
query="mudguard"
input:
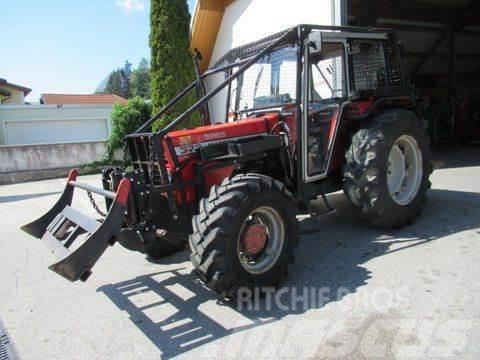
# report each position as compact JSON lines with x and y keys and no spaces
{"x":62,"y":225}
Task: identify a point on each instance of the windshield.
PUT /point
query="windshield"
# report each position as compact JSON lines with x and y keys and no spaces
{"x":270,"y":82}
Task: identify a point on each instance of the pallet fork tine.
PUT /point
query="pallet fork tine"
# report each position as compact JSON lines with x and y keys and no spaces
{"x":38,"y":227}
{"x":51,"y":229}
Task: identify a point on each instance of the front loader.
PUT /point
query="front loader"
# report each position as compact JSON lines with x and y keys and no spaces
{"x":305,"y":112}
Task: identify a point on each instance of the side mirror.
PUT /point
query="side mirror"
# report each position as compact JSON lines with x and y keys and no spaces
{"x":315,"y":41}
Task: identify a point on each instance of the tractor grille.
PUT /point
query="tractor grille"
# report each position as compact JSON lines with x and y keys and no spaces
{"x":6,"y":350}
{"x":143,"y":157}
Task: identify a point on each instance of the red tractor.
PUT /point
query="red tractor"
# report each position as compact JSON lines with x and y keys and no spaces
{"x":308,"y":111}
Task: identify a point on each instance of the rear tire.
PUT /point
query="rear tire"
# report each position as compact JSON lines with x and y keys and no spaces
{"x":387,"y":169}
{"x":253,"y":208}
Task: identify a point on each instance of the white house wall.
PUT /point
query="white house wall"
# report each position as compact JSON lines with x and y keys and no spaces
{"x":245,"y":21}
{"x":44,"y":141}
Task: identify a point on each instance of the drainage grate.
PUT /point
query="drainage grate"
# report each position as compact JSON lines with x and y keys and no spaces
{"x":6,"y":350}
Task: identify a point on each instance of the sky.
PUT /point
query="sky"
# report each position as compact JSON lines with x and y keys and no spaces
{"x":59,"y":46}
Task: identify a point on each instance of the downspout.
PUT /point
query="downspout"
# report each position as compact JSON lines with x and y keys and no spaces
{"x":6,"y":98}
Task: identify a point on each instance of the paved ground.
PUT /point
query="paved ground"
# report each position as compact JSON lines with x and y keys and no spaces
{"x":353,"y":291}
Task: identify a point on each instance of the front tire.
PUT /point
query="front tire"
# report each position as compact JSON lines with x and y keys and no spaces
{"x":388,"y":165}
{"x":244,"y":234}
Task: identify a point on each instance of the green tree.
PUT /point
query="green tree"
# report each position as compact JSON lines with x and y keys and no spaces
{"x":126,"y":118}
{"x":125,"y":74}
{"x":140,"y":80}
{"x":102,"y":87}
{"x":114,"y":83}
{"x":117,"y":82}
{"x":171,"y":63}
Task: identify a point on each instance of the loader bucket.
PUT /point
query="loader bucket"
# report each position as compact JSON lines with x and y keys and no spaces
{"x":60,"y":226}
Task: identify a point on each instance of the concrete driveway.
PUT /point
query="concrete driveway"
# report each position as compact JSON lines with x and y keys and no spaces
{"x":354,"y":291}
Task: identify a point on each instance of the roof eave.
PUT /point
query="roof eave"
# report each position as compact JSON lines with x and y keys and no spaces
{"x":205,"y":26}
{"x":24,"y":89}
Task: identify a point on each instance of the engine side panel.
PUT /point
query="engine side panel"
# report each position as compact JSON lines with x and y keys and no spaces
{"x":186,"y":144}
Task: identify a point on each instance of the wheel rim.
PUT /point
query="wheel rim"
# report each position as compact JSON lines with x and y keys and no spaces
{"x":404,"y":170}
{"x":261,"y":239}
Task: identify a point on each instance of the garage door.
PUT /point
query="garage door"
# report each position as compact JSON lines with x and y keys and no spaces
{"x":57,"y":131}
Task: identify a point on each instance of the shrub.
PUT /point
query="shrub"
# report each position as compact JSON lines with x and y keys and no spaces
{"x":126,"y":118}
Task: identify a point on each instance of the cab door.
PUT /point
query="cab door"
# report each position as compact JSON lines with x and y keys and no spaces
{"x":324,"y":96}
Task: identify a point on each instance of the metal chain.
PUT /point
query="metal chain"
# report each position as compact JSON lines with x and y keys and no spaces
{"x":124,"y":166}
{"x":94,"y":204}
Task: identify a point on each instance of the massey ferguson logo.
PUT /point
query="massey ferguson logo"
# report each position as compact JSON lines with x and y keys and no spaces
{"x":214,"y":136}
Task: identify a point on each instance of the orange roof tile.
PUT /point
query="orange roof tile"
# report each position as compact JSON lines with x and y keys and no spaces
{"x":55,"y":99}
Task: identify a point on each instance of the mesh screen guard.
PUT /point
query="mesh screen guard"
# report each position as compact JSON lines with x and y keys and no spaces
{"x":241,"y":53}
{"x":375,"y":65}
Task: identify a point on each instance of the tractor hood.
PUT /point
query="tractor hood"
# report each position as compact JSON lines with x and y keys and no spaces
{"x":188,"y":141}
